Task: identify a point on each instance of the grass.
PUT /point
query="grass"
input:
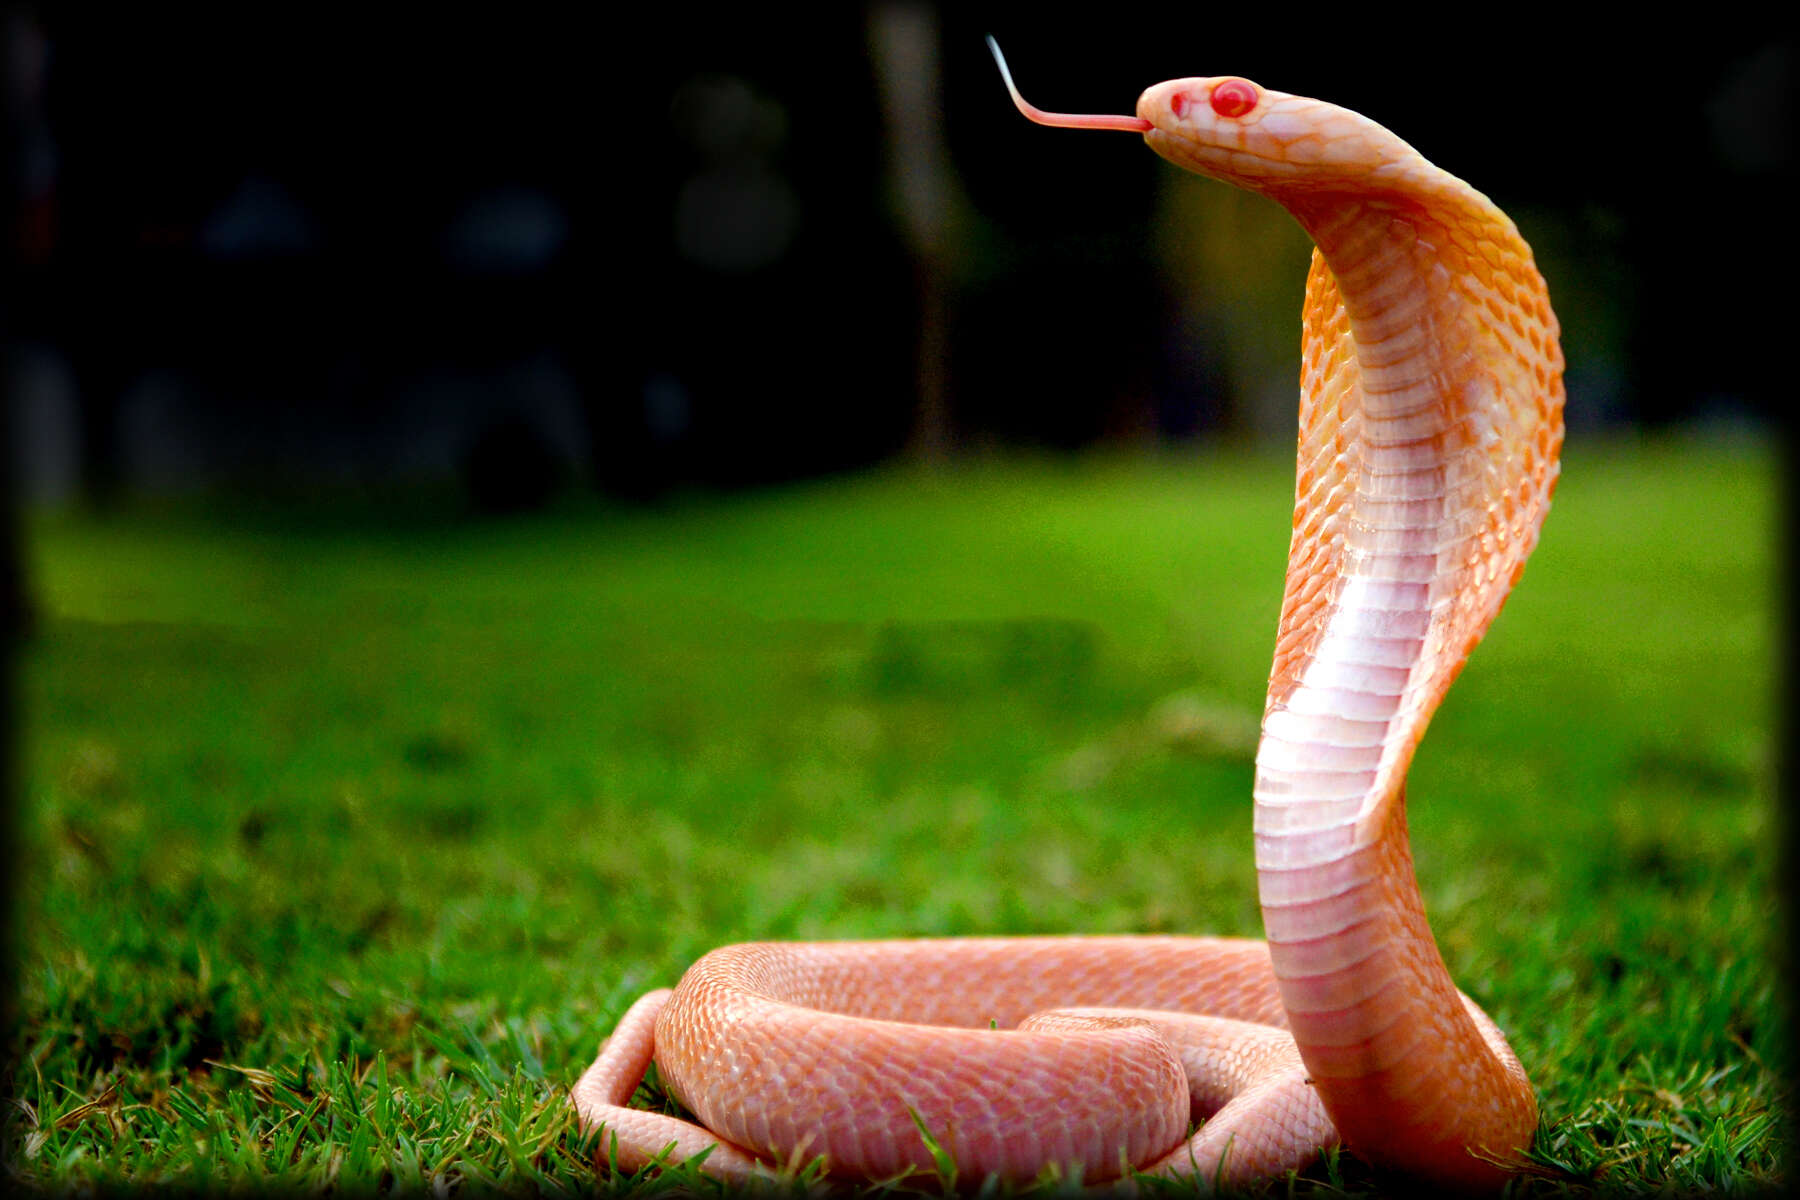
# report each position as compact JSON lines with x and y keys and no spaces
{"x":344,"y":838}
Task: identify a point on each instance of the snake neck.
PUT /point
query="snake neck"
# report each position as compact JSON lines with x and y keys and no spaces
{"x":1430,"y":424}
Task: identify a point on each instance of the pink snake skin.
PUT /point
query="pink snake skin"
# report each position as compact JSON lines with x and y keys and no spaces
{"x":1430,"y":430}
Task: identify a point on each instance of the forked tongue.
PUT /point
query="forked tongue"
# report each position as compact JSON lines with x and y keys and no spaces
{"x":1064,"y":120}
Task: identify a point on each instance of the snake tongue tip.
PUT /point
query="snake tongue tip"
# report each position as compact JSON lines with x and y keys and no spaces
{"x":1062,"y":120}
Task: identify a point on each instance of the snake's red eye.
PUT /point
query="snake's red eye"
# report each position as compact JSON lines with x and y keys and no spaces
{"x":1234,"y":97}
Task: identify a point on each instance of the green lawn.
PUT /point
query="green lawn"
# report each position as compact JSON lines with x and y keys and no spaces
{"x":345,"y":837}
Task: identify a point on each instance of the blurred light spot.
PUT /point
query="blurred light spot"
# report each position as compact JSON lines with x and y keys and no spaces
{"x":735,"y":218}
{"x":508,"y":230}
{"x":261,"y":219}
{"x":725,"y":117}
{"x":1750,"y":114}
{"x":46,"y":424}
{"x":668,"y":413}
{"x":736,"y":213}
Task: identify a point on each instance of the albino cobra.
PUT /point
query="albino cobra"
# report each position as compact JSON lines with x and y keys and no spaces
{"x":1430,"y":428}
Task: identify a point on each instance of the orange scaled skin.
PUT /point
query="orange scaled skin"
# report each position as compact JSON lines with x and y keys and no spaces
{"x":1430,"y":428}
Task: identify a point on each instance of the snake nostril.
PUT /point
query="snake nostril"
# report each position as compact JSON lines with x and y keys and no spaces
{"x":1179,"y":104}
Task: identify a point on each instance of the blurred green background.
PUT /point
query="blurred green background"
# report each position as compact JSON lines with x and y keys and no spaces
{"x":308,"y":796}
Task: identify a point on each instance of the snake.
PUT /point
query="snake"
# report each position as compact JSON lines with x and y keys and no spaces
{"x":1429,"y":440}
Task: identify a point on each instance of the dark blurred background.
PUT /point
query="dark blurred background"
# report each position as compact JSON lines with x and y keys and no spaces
{"x":520,"y":254}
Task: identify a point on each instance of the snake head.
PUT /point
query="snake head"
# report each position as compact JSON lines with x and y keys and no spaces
{"x":1236,"y":131}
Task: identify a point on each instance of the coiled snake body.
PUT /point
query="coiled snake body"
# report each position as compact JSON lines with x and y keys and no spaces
{"x":1430,"y":428}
